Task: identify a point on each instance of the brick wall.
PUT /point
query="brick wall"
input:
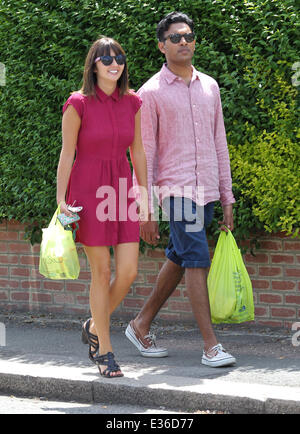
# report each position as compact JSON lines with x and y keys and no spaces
{"x":274,"y":272}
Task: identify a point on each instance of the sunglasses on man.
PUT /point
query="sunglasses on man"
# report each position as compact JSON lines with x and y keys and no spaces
{"x":108,"y":60}
{"x":175,"y":38}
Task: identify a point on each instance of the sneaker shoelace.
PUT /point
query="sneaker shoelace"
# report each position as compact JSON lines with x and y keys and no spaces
{"x":151,"y":338}
{"x":213,"y":352}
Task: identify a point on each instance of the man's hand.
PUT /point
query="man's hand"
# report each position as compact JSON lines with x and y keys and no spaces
{"x":149,"y":231}
{"x":227,"y":218}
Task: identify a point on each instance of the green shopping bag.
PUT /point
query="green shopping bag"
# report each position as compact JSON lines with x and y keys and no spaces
{"x":58,"y":254}
{"x":229,"y":286}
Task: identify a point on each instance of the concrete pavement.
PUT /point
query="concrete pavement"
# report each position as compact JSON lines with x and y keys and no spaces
{"x":44,"y":357}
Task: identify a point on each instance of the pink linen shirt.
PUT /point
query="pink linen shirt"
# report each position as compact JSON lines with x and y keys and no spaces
{"x":184,"y":138}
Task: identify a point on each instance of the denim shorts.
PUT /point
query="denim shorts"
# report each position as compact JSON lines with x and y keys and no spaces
{"x":188,"y":245}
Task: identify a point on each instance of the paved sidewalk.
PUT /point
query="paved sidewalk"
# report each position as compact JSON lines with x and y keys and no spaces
{"x":44,"y":357}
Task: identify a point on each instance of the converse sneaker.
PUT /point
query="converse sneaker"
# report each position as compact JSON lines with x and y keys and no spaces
{"x":217,"y":356}
{"x":146,"y":345}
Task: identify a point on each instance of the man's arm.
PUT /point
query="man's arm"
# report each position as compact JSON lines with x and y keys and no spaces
{"x":149,"y":121}
{"x":225,"y":181}
{"x":227,"y":218}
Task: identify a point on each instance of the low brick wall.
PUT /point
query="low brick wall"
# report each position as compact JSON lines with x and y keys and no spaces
{"x":274,"y":273}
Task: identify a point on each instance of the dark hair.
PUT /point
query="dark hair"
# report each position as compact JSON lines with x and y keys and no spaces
{"x":171,"y":18}
{"x":102,"y":47}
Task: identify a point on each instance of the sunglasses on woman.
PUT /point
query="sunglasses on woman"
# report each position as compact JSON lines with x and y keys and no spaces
{"x":108,"y":60}
{"x":175,"y":38}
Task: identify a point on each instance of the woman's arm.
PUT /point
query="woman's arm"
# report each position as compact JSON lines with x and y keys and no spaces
{"x":138,"y":158}
{"x":70,"y":127}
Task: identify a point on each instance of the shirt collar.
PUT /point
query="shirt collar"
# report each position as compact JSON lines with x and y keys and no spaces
{"x":170,"y":77}
{"x":104,"y":97}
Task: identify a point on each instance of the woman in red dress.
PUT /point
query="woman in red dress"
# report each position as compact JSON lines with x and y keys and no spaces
{"x":100,"y":122}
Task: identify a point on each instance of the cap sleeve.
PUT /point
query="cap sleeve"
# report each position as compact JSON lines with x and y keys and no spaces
{"x":77,"y":101}
{"x":136,"y":102}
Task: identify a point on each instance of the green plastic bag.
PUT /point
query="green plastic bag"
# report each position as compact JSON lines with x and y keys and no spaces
{"x":229,"y":286}
{"x":58,"y":254}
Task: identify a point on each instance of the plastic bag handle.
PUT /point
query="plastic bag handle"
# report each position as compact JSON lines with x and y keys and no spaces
{"x":75,"y":230}
{"x":229,"y":233}
{"x":53,"y":220}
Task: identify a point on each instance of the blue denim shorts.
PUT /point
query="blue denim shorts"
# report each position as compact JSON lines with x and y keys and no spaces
{"x":188,"y":245}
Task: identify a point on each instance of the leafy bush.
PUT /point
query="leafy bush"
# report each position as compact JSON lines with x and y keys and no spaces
{"x":248,"y":47}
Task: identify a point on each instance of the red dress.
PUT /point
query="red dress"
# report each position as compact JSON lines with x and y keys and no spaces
{"x":101,"y":178}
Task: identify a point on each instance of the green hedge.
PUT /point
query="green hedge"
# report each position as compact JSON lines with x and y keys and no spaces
{"x":248,"y":47}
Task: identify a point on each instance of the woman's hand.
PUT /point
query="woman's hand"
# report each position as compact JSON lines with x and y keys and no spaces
{"x":64,"y":209}
{"x":150,"y":231}
{"x":143,"y":209}
{"x":143,"y":214}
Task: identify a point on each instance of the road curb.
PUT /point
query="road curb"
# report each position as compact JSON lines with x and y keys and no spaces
{"x":109,"y":393}
{"x":46,"y":387}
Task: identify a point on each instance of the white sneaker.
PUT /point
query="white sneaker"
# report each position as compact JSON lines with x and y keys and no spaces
{"x":217,"y":356}
{"x":146,"y":345}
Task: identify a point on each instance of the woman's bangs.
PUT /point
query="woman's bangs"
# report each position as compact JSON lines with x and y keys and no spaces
{"x":105,"y":47}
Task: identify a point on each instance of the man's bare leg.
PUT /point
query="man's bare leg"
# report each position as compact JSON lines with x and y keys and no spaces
{"x":196,"y":285}
{"x":168,"y":278}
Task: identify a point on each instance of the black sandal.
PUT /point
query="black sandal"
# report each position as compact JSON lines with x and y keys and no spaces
{"x":89,"y":338}
{"x":109,"y":361}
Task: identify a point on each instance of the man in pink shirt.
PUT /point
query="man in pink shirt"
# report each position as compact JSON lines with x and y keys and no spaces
{"x":188,"y":166}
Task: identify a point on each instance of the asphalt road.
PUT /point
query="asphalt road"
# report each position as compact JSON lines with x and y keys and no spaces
{"x":21,"y":405}
{"x":44,"y":358}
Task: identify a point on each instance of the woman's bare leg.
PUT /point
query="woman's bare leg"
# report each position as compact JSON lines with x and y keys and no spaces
{"x":99,"y":260}
{"x":126,"y":263}
{"x":126,"y":266}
